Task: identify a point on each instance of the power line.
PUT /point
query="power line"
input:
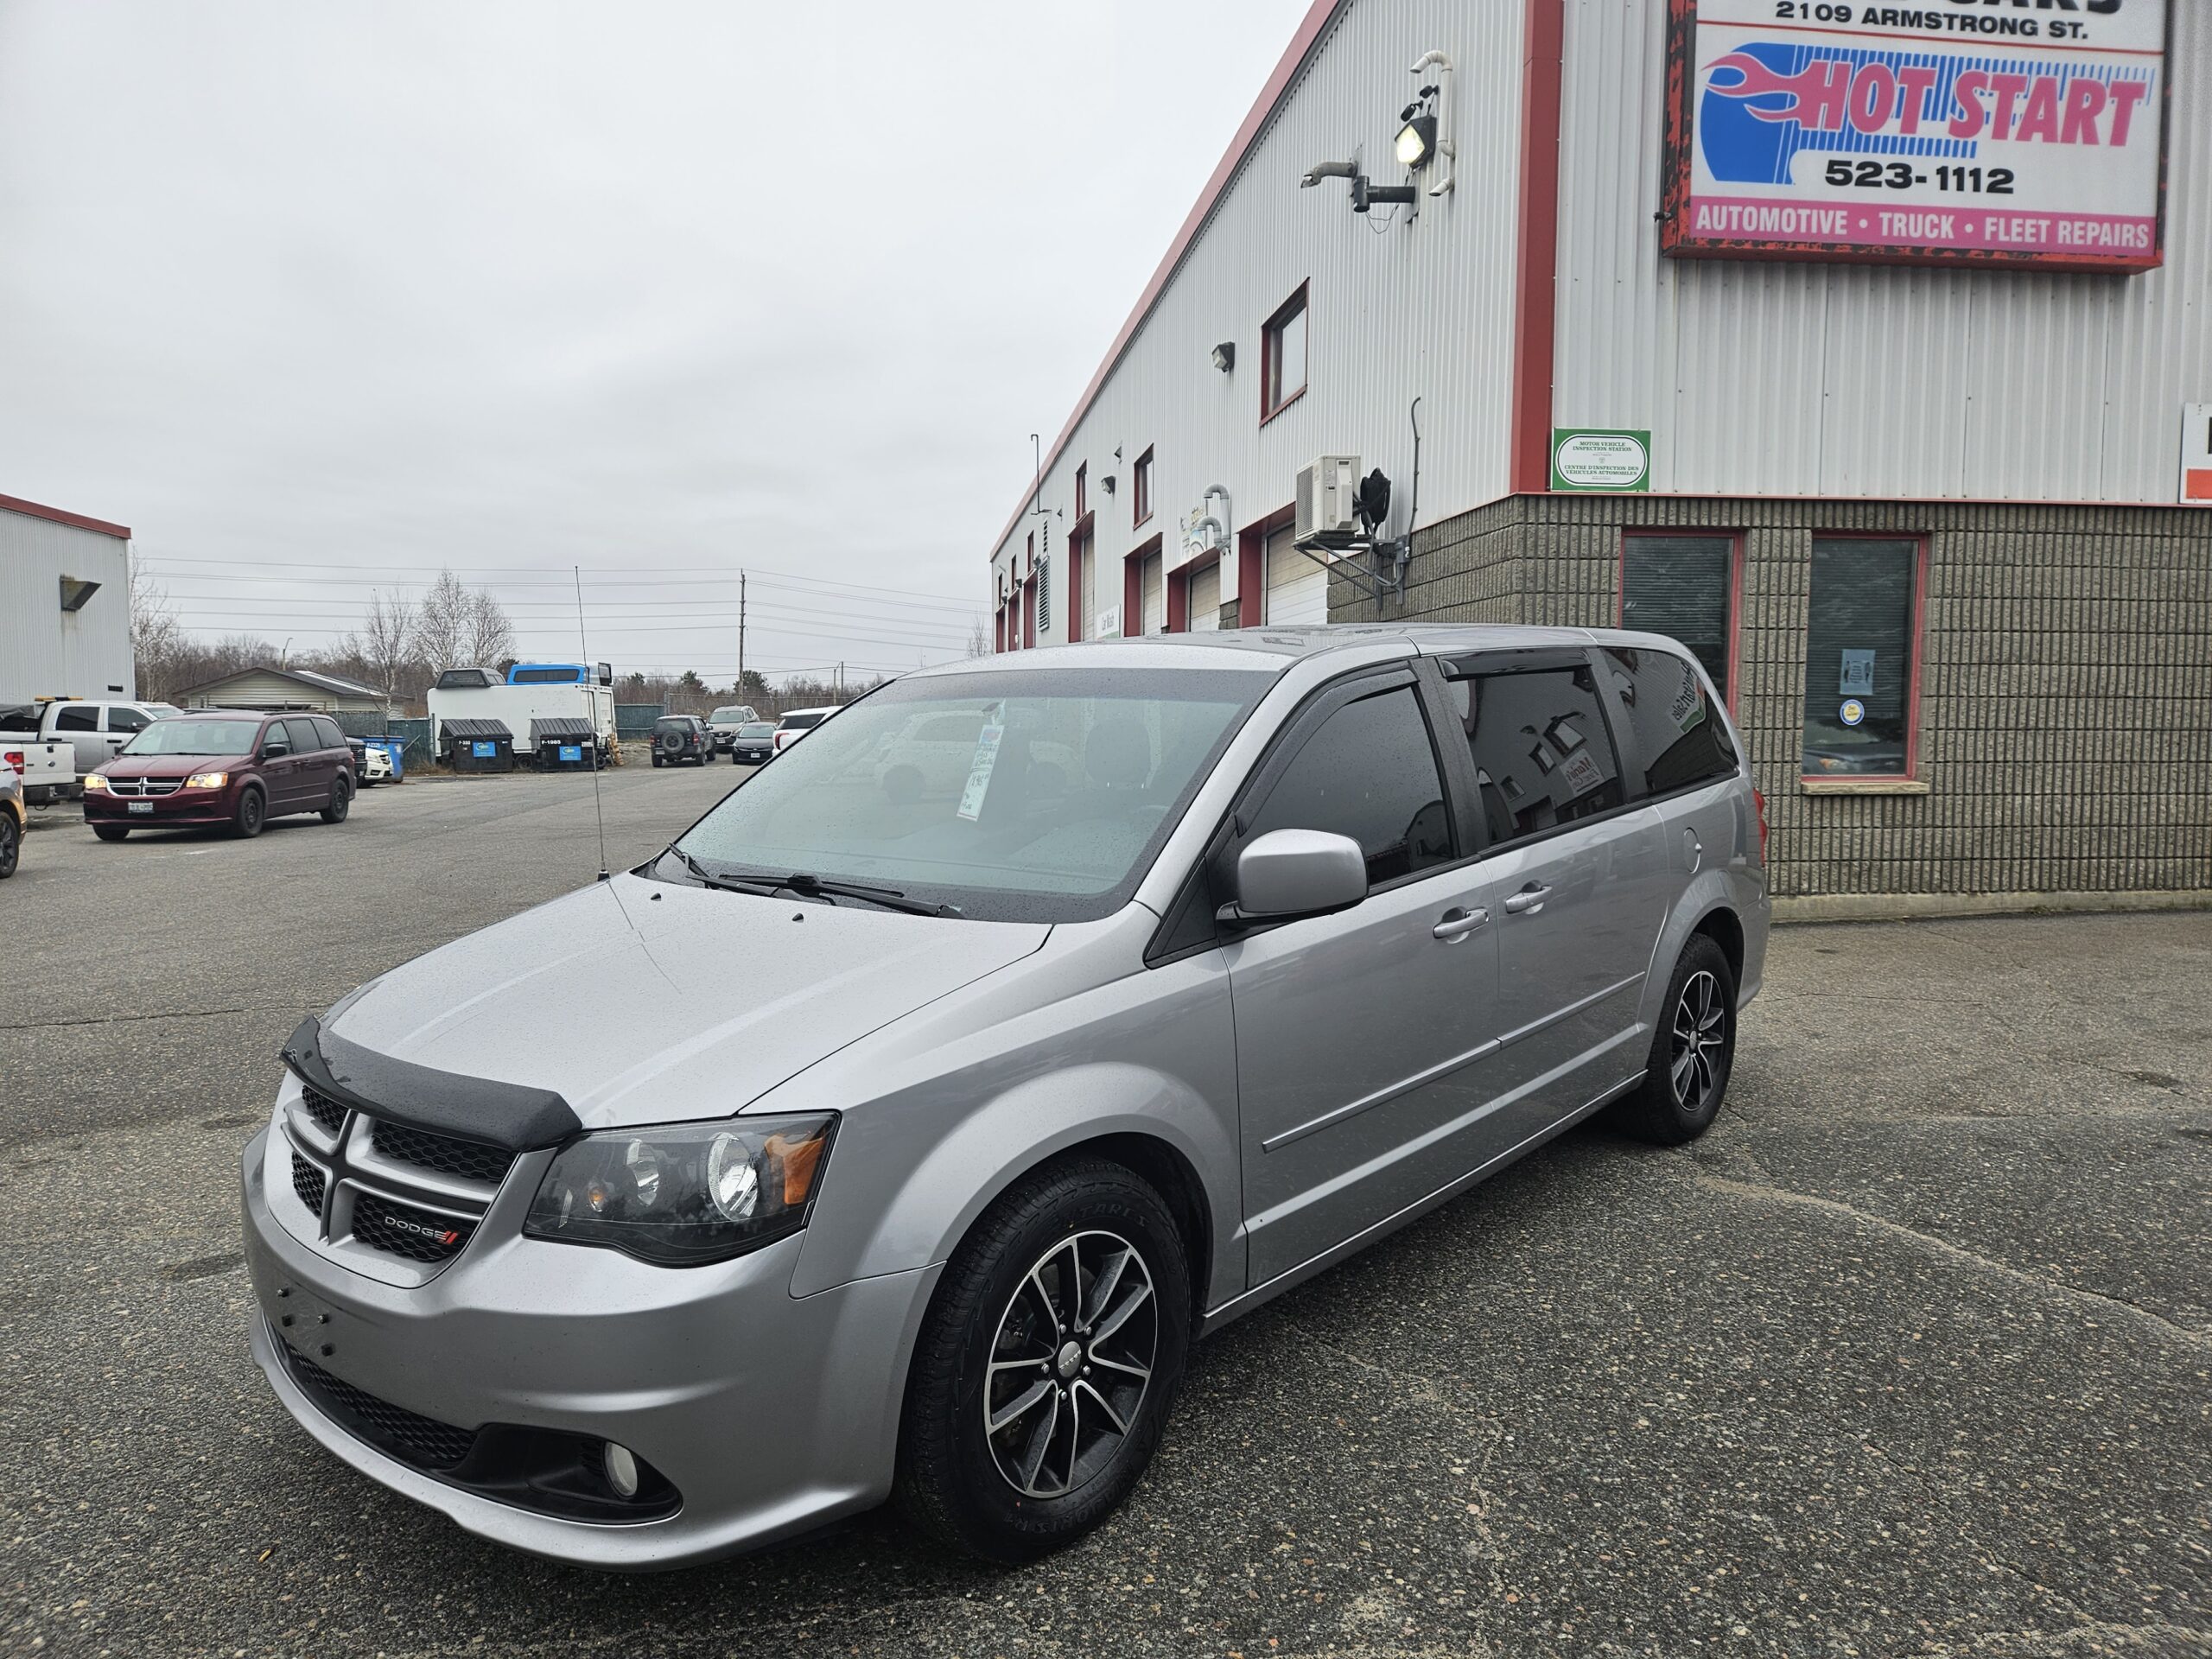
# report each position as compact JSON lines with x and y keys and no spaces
{"x":524,"y":576}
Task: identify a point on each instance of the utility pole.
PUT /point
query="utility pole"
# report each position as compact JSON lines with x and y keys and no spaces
{"x":740,"y":636}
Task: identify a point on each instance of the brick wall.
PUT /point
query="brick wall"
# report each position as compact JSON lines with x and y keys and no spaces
{"x":2065,"y":735}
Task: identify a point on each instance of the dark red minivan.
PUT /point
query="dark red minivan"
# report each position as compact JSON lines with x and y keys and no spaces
{"x":211,"y":767}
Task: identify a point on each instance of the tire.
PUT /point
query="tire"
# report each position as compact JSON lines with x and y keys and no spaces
{"x":957,"y":1481}
{"x":251,"y":813}
{"x":11,"y":844}
{"x":658,"y":762}
{"x":111,"y":831}
{"x":1692,"y":1052}
{"x":342,"y":801}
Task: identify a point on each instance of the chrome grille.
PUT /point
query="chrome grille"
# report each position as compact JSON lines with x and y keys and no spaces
{"x":402,"y":1229}
{"x":409,"y":1195}
{"x":143,"y":786}
{"x":442,"y":1154}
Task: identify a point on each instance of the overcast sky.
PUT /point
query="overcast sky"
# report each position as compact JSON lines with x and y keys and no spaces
{"x":318,"y":298}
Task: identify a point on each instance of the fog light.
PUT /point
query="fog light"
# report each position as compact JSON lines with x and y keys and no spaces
{"x":622,"y":1470}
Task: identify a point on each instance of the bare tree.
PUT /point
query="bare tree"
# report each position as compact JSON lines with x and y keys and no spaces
{"x":385,"y":645}
{"x":156,"y":636}
{"x":979,"y":639}
{"x":444,"y":629}
{"x":491,"y":635}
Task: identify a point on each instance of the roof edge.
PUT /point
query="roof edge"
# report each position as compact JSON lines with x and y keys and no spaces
{"x":60,"y":516}
{"x":1310,"y":31}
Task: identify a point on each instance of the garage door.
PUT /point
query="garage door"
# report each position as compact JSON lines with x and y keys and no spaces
{"x":1156,"y":597}
{"x":1298,"y":588}
{"x":1205,"y":598}
{"x":1086,"y":615}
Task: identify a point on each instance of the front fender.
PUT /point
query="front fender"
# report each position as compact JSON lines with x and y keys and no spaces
{"x":964,"y":1104}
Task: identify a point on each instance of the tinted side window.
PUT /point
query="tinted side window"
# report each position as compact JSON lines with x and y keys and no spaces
{"x":77,"y":717}
{"x":304,"y":739}
{"x":333,"y":735}
{"x":1679,"y":741}
{"x":126,"y":720}
{"x":1368,"y":772}
{"x":1542,"y":754}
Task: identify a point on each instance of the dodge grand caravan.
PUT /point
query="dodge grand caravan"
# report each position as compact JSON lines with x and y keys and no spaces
{"x":1223,"y":956}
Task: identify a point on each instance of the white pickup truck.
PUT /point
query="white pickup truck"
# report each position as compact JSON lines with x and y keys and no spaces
{"x":47,"y":771}
{"x":93,"y":728}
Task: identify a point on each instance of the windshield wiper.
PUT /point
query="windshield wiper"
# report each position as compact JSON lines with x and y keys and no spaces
{"x":808,"y":885}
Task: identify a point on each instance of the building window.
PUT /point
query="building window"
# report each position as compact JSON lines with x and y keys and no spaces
{"x":1862,"y":663}
{"x":1684,"y":587}
{"x":1082,"y":489}
{"x":1141,"y":487}
{"x":1283,"y":355}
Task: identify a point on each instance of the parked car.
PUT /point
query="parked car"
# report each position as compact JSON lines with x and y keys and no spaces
{"x":45,"y":773}
{"x":11,"y":816}
{"x":96,"y":729}
{"x":724,"y":723}
{"x":753,"y":744}
{"x":983,"y":1113}
{"x":372,"y":762}
{"x":796,"y":724}
{"x":215,"y":767}
{"x":681,"y":738}
{"x":937,"y":754}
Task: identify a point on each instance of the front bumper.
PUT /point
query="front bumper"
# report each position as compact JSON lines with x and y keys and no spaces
{"x":769,"y":1413}
{"x":185,"y":808}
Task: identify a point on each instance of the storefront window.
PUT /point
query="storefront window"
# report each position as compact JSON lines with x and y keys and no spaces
{"x":1859,"y":659}
{"x":1678,"y":586}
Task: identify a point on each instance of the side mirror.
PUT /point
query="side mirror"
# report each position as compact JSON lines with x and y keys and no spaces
{"x":276,"y":749}
{"x":1298,"y":873}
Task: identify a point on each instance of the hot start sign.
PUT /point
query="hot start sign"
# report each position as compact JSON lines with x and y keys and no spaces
{"x":2026,"y":132}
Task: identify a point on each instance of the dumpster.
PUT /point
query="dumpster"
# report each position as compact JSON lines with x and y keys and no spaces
{"x":391,"y":767}
{"x":564,"y":743}
{"x":478,"y":745}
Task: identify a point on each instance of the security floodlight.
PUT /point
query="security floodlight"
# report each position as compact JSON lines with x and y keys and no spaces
{"x":1225,"y":356}
{"x":1417,"y":143}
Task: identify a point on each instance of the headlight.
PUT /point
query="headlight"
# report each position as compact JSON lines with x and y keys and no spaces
{"x":207,"y":780}
{"x":94,"y":783}
{"x":687,"y":1193}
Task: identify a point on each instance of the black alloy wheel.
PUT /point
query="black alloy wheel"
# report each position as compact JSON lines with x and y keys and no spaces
{"x":342,"y":801}
{"x":1047,"y":1363}
{"x":11,"y":844}
{"x":1692,"y":1052}
{"x":251,"y":813}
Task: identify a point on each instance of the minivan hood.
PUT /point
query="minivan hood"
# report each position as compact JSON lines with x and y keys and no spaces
{"x":643,"y":1001}
{"x":170,"y":765}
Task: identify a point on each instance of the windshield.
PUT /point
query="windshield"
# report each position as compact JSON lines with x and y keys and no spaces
{"x":670,"y":723}
{"x":728,"y":717}
{"x":1017,"y":795}
{"x":757,"y":728}
{"x":175,"y":736}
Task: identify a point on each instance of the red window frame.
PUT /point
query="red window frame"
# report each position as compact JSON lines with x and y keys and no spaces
{"x":1916,"y":634}
{"x":1735,"y":538}
{"x":1271,"y":350}
{"x":1140,"y":489}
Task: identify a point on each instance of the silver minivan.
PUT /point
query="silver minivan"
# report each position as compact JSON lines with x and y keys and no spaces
{"x":1222,"y":957}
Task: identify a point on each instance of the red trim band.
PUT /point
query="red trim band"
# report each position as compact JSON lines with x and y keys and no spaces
{"x":121,"y":533}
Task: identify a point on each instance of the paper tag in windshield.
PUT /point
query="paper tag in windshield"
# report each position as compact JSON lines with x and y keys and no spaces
{"x":979,"y":775}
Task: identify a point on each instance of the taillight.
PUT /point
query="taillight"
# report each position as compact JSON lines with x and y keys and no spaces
{"x":14,"y":758}
{"x":1759,"y":801}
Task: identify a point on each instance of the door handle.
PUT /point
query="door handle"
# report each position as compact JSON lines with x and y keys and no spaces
{"x":1458,"y":924}
{"x":1527,"y":901}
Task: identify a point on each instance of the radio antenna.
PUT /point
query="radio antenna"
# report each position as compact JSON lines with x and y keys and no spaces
{"x":583,"y":646}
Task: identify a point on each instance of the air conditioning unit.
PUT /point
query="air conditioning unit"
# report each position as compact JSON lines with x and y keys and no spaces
{"x":1323,"y":516}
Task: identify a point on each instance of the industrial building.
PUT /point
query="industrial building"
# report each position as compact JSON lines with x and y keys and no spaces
{"x":65,"y":604}
{"x":1864,"y":348}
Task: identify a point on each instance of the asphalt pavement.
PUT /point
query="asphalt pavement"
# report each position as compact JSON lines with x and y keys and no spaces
{"x":1912,"y":1355}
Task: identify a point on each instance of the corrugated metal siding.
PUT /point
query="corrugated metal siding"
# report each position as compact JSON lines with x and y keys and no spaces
{"x":1875,"y":381}
{"x":1394,"y":312}
{"x":48,"y":651}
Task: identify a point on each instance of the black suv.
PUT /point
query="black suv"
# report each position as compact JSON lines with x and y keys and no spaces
{"x":679,"y":738}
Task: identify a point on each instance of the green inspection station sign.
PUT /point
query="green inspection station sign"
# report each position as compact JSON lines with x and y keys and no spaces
{"x":1595,"y":458}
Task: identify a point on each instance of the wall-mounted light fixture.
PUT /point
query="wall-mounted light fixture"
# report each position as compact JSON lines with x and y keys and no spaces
{"x":1424,"y":137}
{"x":75,"y":591}
{"x":1225,"y":356}
{"x":1107,"y":483}
{"x":1417,"y":143}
